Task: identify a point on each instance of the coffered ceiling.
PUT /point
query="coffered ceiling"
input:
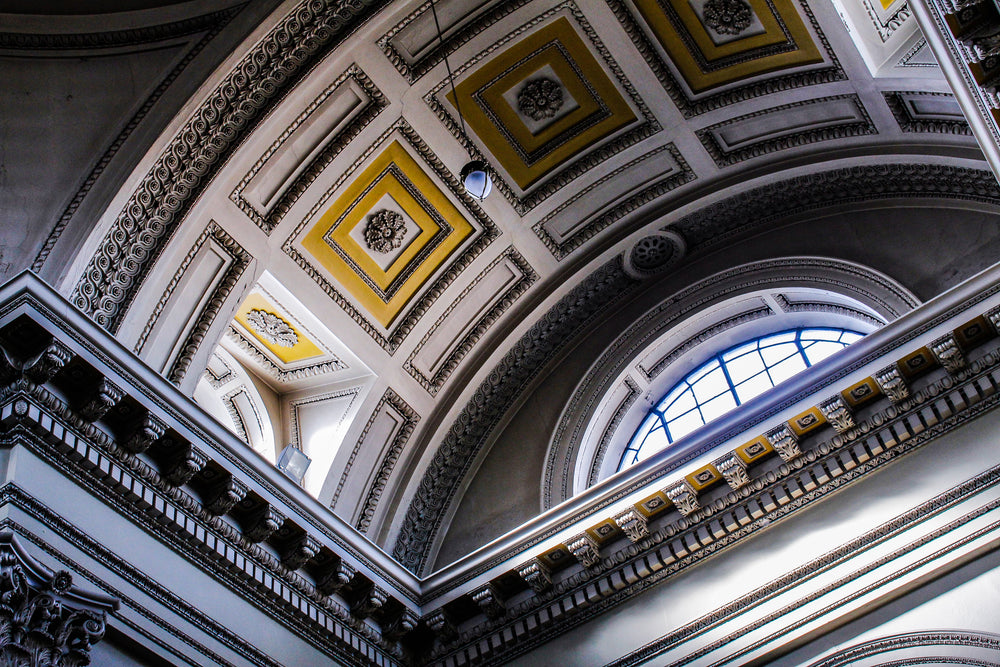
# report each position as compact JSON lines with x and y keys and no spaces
{"x":302,"y":209}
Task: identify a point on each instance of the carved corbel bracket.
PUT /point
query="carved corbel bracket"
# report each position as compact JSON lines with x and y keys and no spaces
{"x":948,"y":354}
{"x":536,"y":575}
{"x":585,"y":549}
{"x":489,"y":601}
{"x":298,"y":552}
{"x":633,"y":524}
{"x":734,"y":469}
{"x":785,"y":442}
{"x":684,"y":498}
{"x":148,"y":430}
{"x":103,"y":397}
{"x":837,"y":413}
{"x":44,"y":367}
{"x":892,"y":384}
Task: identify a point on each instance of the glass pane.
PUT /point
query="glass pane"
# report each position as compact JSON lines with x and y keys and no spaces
{"x":738,"y":350}
{"x":821,"y":334}
{"x":711,"y":386}
{"x":684,"y":424}
{"x":821,"y":350}
{"x":683,"y":403}
{"x":777,"y":353}
{"x":717,"y":407}
{"x":787,"y":369}
{"x":741,"y":368}
{"x":654,"y":442}
{"x":702,"y":371}
{"x":755,"y":386}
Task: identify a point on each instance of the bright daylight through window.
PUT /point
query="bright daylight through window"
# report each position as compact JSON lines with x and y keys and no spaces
{"x":728,"y":380}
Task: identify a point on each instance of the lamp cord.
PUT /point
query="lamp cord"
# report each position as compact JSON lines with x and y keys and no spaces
{"x":451,"y":80}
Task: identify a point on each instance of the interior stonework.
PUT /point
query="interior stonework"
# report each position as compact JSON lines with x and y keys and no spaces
{"x":228,"y":228}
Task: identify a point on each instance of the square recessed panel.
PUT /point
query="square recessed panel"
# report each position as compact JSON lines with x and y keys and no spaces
{"x":577,"y":104}
{"x":389,"y":231}
{"x":774,"y":38}
{"x":272,"y":329}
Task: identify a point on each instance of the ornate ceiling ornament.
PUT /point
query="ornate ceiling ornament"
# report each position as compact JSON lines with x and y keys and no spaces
{"x":540,"y":99}
{"x":728,"y":17}
{"x":272,"y":328}
{"x":385,"y":231}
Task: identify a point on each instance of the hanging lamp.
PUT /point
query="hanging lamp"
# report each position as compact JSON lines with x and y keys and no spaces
{"x":475,"y":174}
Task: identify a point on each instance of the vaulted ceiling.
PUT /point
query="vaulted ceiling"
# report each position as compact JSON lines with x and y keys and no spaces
{"x":271,"y":193}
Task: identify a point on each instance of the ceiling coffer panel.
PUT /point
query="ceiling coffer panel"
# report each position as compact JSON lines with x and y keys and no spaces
{"x":547,"y":107}
{"x":388,"y":237}
{"x":712,"y":53}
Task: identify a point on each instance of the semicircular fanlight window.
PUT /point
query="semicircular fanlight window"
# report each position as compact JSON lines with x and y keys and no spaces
{"x":728,"y":380}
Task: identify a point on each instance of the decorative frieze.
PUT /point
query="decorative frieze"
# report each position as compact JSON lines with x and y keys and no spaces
{"x":684,"y":498}
{"x":489,"y":601}
{"x":837,"y":414}
{"x":734,"y":469}
{"x":785,"y":442}
{"x":536,"y":575}
{"x":633,"y":524}
{"x":585,"y":549}
{"x":892,"y":384}
{"x":948,"y":354}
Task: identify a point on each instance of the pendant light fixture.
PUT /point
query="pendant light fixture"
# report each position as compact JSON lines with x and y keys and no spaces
{"x":475,"y":174}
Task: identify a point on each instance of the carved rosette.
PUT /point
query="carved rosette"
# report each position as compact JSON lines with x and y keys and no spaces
{"x":892,"y":384}
{"x":385,"y":231}
{"x":785,"y":442}
{"x":272,"y":328}
{"x":728,"y":17}
{"x":837,"y":414}
{"x":540,"y":99}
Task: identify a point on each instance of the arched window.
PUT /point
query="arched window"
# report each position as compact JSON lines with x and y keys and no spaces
{"x":729,"y":379}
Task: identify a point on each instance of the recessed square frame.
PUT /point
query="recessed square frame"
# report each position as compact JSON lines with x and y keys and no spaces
{"x":643,"y":125}
{"x":784,"y":44}
{"x":433,"y":281}
{"x":384,"y":293}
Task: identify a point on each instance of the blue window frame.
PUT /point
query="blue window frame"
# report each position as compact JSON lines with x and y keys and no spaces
{"x":728,"y":380}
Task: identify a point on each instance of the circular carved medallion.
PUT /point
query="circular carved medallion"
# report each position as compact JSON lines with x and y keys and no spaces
{"x":385,"y":231}
{"x":728,"y":17}
{"x":540,"y":99}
